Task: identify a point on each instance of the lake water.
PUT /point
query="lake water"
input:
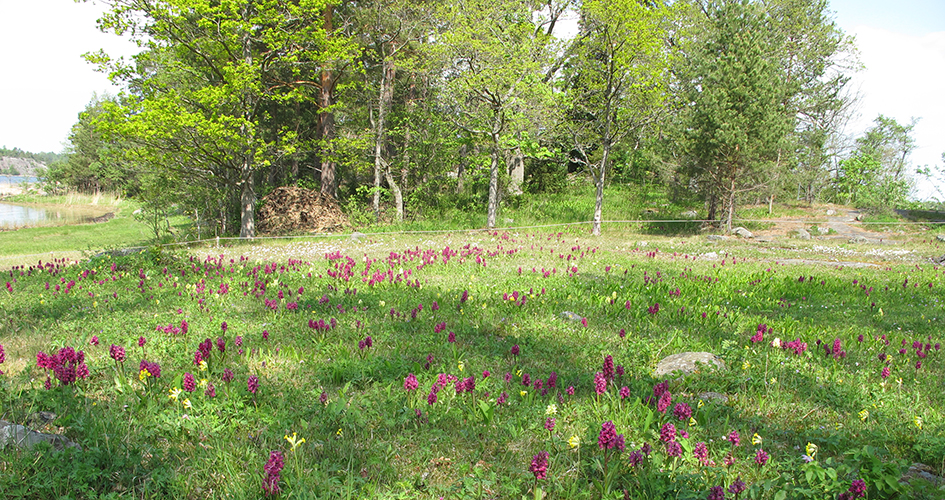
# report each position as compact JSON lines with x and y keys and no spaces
{"x":15,"y":216}
{"x":17,"y":179}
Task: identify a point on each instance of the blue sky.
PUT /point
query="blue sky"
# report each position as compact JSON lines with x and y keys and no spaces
{"x":46,"y":84}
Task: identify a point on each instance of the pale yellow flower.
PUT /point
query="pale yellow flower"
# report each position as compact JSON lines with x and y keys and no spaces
{"x":552,"y":409}
{"x":811,"y":450}
{"x":187,"y":403}
{"x":523,"y":393}
{"x":203,"y":365}
{"x":918,"y":422}
{"x":143,"y":374}
{"x":864,"y":414}
{"x":295,"y":441}
{"x":756,"y":439}
{"x":174,"y":393}
{"x":574,"y":441}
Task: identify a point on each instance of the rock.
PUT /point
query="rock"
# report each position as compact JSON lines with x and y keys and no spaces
{"x":570,"y":316}
{"x":357,"y":237}
{"x":742,"y":232}
{"x":940,"y":237}
{"x":39,"y":419}
{"x":802,"y":234}
{"x":120,"y":252}
{"x":16,"y":435}
{"x":858,"y":239}
{"x":710,"y":256}
{"x":716,"y":237}
{"x":921,"y":471}
{"x":713,"y":397}
{"x":823,"y":230}
{"x":831,"y":211}
{"x":691,"y":214}
{"x":687,"y":362}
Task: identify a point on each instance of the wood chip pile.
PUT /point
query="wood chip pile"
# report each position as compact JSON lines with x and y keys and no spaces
{"x":290,"y":209}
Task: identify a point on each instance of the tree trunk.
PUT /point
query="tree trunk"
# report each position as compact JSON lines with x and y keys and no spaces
{"x":386,"y":97}
{"x":326,"y":119}
{"x":599,"y":199}
{"x":731,"y":205}
{"x":247,"y":201}
{"x":493,"y":206}
{"x":516,"y":171}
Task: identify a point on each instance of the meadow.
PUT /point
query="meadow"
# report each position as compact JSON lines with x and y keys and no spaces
{"x":502,"y":364}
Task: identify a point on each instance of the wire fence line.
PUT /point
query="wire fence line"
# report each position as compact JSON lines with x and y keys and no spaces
{"x":356,"y":234}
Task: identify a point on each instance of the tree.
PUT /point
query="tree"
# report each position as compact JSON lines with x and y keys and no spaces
{"x":876,"y":174}
{"x":736,"y":119}
{"x":200,"y":88}
{"x":618,"y":76}
{"x":493,"y":58}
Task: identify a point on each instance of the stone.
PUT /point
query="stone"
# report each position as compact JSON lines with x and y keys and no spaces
{"x":688,"y":362}
{"x":742,"y":232}
{"x":922,"y":471}
{"x":858,"y":240}
{"x":831,"y":211}
{"x":357,"y":237}
{"x":16,"y":435}
{"x":823,"y":230}
{"x":713,"y":397}
{"x":802,"y":234}
{"x":940,"y":237}
{"x":710,"y":256}
{"x":691,"y":214}
{"x":716,"y":237}
{"x":570,"y":316}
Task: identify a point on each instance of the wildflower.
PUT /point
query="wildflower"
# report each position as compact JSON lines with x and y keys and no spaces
{"x":885,"y":373}
{"x":746,"y":365}
{"x":552,"y":409}
{"x":526,"y":380}
{"x":252,"y":384}
{"x":682,"y":411}
{"x":143,"y":374}
{"x":539,"y":466}
{"x":665,"y":400}
{"x":502,"y":398}
{"x":523,"y":393}
{"x":238,"y":341}
{"x":646,"y":449}
{"x":608,"y":436}
{"x":294,"y":441}
{"x":917,"y":420}
{"x":174,"y":393}
{"x":451,"y":338}
{"x":734,"y":438}
{"x":186,"y":403}
{"x":668,"y":432}
{"x":552,"y":380}
{"x":635,"y":458}
{"x":431,"y":398}
{"x":141,"y":341}
{"x":811,"y":450}
{"x":210,"y":392}
{"x":756,"y":439}
{"x":550,"y":424}
{"x":600,"y":383}
{"x":190,"y":385}
{"x":737,"y":487}
{"x":515,"y":349}
{"x":221,"y":344}
{"x":227,"y":375}
{"x":272,"y":469}
{"x":410,"y":382}
{"x":574,"y":441}
{"x":116,"y":352}
{"x":864,"y":414}
{"x":701,"y":452}
{"x":323,"y":398}
{"x":716,"y":493}
{"x":673,"y":449}
{"x":92,"y":341}
{"x":692,"y":422}
{"x":608,"y":369}
{"x":570,"y":390}
{"x":761,"y":457}
{"x":624,"y":392}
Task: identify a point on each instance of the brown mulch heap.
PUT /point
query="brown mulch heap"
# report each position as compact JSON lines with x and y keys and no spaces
{"x":290,"y":209}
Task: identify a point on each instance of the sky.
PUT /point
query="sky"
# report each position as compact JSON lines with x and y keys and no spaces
{"x":45,"y":83}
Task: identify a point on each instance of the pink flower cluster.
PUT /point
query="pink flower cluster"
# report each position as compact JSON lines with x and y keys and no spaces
{"x":273,"y":468}
{"x":67,"y":365}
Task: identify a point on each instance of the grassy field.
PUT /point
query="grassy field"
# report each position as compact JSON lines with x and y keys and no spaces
{"x":432,"y":366}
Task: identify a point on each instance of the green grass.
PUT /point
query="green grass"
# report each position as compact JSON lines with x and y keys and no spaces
{"x":363,"y":435}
